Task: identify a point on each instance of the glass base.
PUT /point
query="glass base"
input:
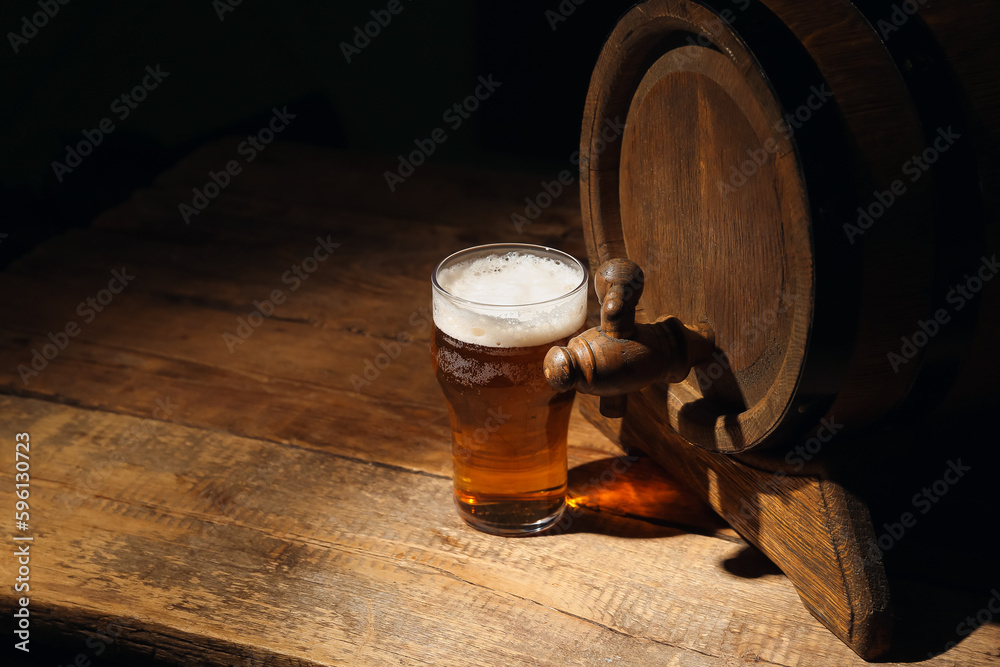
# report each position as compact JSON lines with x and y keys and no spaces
{"x":510,"y":519}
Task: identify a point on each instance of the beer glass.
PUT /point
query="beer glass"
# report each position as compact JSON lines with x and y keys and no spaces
{"x":497,"y":311}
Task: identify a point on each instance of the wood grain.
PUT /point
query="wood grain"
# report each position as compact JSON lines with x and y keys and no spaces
{"x":164,"y":334}
{"x":763,"y":254}
{"x":278,"y":516}
{"x":234,"y":547}
{"x":816,"y":530}
{"x":758,"y":139}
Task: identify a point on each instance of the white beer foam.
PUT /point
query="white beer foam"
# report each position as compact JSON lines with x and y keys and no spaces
{"x":509,"y":292}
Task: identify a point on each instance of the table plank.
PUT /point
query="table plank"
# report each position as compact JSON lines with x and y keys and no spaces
{"x":165,"y":332}
{"x":255,"y":506}
{"x":226,"y":542}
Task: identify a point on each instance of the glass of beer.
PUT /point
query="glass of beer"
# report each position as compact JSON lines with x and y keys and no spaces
{"x":497,"y":311}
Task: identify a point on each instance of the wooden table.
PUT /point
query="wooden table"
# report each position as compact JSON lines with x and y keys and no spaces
{"x":278,"y":492}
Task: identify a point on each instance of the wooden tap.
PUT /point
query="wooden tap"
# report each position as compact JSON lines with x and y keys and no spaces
{"x":621,"y":356}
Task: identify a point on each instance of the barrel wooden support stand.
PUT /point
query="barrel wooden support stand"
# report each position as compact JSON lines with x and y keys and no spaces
{"x":813,"y":528}
{"x":796,"y":510}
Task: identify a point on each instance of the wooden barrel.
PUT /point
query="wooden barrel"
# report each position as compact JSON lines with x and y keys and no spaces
{"x":816,"y":181}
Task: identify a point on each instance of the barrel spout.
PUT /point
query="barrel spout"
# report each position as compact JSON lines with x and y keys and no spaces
{"x":621,"y":356}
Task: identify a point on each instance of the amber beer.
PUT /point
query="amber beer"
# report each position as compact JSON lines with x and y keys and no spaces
{"x":497,"y":311}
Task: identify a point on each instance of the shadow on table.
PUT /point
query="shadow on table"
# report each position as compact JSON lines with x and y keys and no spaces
{"x":630,"y":496}
{"x":933,"y":502}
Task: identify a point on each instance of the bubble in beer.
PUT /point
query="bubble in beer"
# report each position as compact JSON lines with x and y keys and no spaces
{"x":510,"y":300}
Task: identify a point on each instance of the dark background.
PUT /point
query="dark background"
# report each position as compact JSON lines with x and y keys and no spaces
{"x":229,"y":65}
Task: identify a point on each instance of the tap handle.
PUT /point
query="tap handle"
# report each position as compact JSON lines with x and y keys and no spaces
{"x":621,"y":356}
{"x":618,"y":284}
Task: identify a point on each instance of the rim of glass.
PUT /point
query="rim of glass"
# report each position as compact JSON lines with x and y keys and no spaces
{"x":486,"y":250}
